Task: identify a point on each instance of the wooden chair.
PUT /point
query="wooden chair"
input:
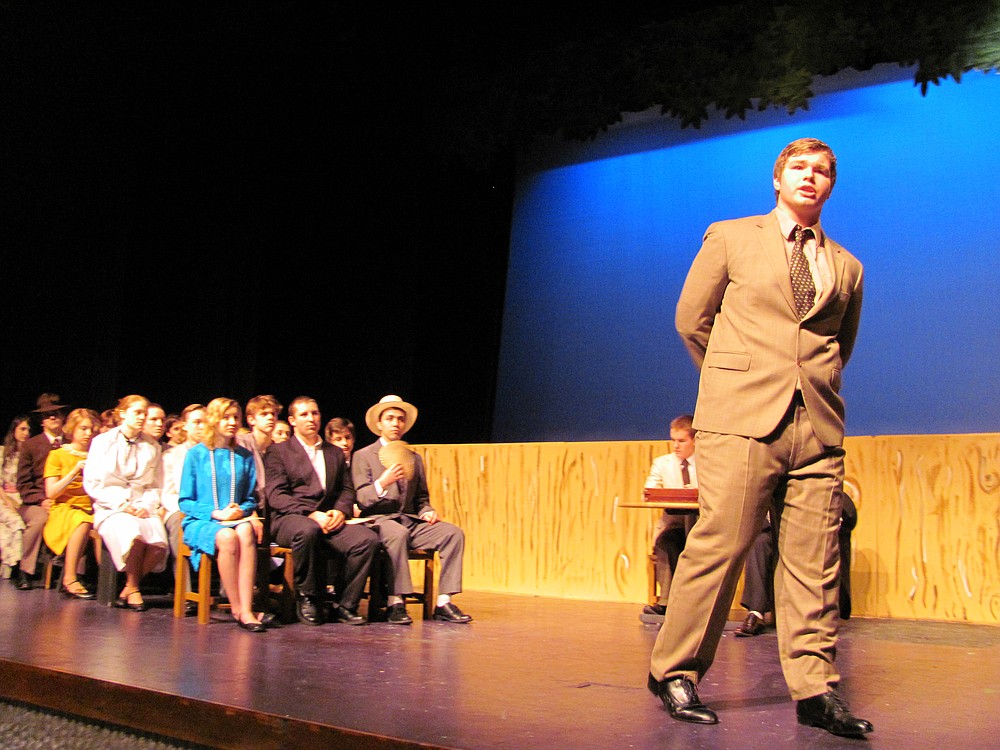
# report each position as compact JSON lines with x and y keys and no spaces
{"x":107,"y":576}
{"x":53,"y":561}
{"x":426,"y":597}
{"x":203,"y":595}
{"x":377,"y":586}
{"x":286,"y":597}
{"x":267,"y":549}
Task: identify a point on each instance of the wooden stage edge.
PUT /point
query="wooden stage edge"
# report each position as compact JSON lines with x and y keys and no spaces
{"x":190,"y":720}
{"x":529,"y":673}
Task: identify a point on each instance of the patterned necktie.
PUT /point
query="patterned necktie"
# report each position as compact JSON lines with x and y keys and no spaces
{"x":685,"y":474}
{"x":803,"y":288}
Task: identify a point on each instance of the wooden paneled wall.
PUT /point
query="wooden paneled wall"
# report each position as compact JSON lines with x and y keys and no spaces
{"x":543,"y":518}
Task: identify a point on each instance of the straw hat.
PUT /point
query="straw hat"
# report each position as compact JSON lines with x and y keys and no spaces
{"x":373,"y":415}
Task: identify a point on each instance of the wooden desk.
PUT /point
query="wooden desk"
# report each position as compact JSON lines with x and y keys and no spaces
{"x":682,"y":502}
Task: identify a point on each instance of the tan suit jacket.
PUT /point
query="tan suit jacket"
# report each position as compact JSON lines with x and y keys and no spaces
{"x":736,"y":315}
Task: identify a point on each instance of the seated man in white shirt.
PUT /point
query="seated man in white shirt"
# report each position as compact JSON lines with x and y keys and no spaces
{"x":310,"y":498}
{"x":674,"y":470}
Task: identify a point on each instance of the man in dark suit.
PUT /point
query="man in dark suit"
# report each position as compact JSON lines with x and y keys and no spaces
{"x":769,"y":313}
{"x":396,"y":501}
{"x":758,"y":573}
{"x":35,"y":504}
{"x":310,"y":497}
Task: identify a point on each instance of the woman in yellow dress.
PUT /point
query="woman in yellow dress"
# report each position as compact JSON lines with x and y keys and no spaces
{"x":72,"y":515}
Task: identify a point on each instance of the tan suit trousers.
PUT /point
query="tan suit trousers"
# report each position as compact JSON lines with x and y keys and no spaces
{"x":739,"y":478}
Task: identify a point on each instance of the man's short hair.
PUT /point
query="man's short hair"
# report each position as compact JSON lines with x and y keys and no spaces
{"x":338,"y":426}
{"x":805,"y":146}
{"x":683,"y":422}
{"x":300,"y":400}
{"x":154,"y":405}
{"x":190,"y":408}
{"x":261,"y":403}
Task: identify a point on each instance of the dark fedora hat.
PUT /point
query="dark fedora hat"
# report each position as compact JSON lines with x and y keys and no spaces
{"x":49,"y":402}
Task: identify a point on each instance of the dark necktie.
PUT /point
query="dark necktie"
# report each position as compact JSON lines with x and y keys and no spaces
{"x":803,"y":288}
{"x":57,"y":443}
{"x":685,"y":474}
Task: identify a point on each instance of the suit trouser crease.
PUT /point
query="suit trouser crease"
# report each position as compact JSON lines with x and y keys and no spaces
{"x":738,"y":477}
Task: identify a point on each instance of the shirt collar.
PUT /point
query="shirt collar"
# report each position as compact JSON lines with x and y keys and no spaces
{"x":131,"y":441}
{"x":786,"y":224}
{"x":314,"y":447}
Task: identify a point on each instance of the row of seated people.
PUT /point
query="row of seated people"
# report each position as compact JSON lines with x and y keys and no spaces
{"x":677,"y":470}
{"x":335,"y":509}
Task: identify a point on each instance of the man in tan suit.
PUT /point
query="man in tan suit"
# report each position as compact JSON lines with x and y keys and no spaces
{"x":769,"y":313}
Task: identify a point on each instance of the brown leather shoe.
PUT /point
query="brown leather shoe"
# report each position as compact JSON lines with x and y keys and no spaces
{"x":829,"y":711}
{"x":680,"y":698}
{"x":751,"y":626}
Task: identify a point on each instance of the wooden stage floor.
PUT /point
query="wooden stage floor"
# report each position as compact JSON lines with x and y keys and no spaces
{"x":529,"y":673}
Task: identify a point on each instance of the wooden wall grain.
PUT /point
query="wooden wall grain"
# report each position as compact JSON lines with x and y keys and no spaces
{"x":543,"y":519}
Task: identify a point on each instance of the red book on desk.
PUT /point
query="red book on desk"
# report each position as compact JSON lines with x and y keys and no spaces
{"x":685,"y":499}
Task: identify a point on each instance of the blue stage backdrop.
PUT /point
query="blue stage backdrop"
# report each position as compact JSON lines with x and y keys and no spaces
{"x":604,"y":232}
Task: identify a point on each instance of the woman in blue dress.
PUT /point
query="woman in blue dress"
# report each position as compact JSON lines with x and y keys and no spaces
{"x":217,"y":499}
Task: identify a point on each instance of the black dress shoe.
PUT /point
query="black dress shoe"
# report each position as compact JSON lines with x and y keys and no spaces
{"x":396,"y":614}
{"x":122,"y":602}
{"x":253,"y":627}
{"x":450,"y":613}
{"x":751,"y":626}
{"x":343,"y":614}
{"x":828,"y":711}
{"x":69,"y":594}
{"x":21,"y":580}
{"x":308,"y":610}
{"x":653,"y":613}
{"x":680,"y":698}
{"x":268,"y":619}
{"x":190,"y":608}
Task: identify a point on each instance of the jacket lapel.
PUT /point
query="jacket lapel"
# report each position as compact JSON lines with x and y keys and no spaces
{"x":302,"y":458}
{"x":773,"y":246}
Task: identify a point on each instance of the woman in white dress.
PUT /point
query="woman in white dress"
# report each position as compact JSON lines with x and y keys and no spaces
{"x":124,"y":477}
